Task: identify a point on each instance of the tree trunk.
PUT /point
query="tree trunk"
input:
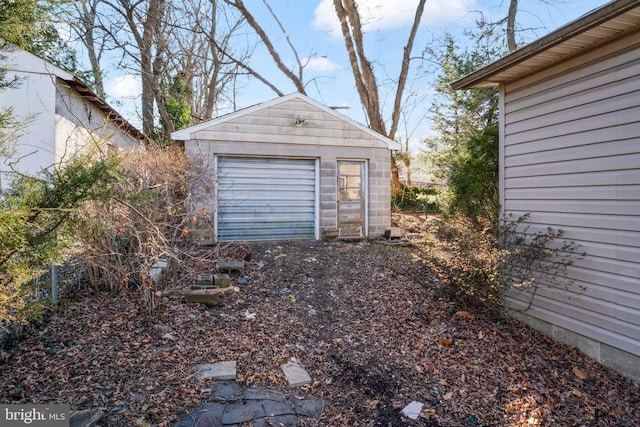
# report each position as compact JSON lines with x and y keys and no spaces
{"x":88,"y":25}
{"x":511,"y":25}
{"x":148,"y":62}
{"x":363,"y":75}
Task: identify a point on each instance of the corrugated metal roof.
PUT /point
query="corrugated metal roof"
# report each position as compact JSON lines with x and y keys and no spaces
{"x":593,"y":29}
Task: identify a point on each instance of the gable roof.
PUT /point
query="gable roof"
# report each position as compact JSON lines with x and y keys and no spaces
{"x":597,"y":27}
{"x":83,"y":91}
{"x":186,"y":134}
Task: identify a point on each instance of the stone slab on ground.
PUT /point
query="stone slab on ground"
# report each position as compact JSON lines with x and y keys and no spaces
{"x":256,"y":394}
{"x":237,"y":405}
{"x":228,"y":390}
{"x":309,"y":407}
{"x":273,"y":408}
{"x":241,"y":412}
{"x":205,"y":416}
{"x":217,"y":371}
{"x":295,"y":373}
{"x":86,"y":418}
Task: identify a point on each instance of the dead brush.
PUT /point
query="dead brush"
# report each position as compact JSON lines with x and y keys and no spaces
{"x":141,"y":222}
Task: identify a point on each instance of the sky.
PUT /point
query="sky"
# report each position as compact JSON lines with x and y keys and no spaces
{"x":313,"y":28}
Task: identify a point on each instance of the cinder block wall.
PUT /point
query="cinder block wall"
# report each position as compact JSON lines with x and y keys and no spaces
{"x":380,"y":193}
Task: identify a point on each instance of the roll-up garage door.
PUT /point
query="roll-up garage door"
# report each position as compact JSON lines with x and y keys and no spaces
{"x":266,"y":199}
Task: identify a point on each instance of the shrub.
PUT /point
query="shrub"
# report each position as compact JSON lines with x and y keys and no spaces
{"x":34,"y":220}
{"x":479,"y":268}
{"x":472,"y":188}
{"x":412,"y":198}
{"x":123,"y":236}
{"x":529,"y":259}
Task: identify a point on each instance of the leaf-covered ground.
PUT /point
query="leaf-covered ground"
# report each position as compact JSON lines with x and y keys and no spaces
{"x":366,"y":319}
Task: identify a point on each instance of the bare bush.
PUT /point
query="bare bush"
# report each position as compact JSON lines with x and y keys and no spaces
{"x":480,"y":265}
{"x":144,"y":221}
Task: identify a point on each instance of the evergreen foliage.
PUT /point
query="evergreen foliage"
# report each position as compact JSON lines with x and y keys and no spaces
{"x":29,"y":25}
{"x":473,"y":179}
{"x":458,"y":115}
{"x":34,"y":226}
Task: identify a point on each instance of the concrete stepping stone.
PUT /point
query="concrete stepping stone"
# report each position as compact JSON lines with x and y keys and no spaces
{"x":309,"y":407}
{"x":216,"y":371}
{"x":228,"y":390}
{"x":236,"y":413}
{"x":295,"y":373}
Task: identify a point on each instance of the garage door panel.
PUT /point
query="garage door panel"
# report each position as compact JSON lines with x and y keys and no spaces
{"x":266,"y":198}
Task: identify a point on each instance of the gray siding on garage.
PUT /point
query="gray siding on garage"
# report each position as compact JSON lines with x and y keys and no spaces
{"x":571,"y":158}
{"x":266,"y":198}
{"x":293,"y":126}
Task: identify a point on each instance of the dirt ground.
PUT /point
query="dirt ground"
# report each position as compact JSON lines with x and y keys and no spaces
{"x":367,"y":320}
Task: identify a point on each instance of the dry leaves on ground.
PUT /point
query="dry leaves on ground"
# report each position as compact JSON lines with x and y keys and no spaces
{"x":365,"y":320}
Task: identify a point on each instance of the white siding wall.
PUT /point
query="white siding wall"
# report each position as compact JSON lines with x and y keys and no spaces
{"x":571,"y":158}
{"x":80,"y":126}
{"x":33,"y":100}
{"x":60,"y":121}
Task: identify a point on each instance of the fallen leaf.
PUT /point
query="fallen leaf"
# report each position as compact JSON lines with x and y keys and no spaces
{"x":580,"y":374}
{"x":445,"y":341}
{"x":373,"y":404}
{"x":465,"y":314}
{"x":576,"y":393}
{"x":397,"y":405}
{"x":427,"y":413}
{"x":448,"y":396}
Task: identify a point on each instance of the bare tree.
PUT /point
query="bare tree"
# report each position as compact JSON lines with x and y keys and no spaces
{"x":511,"y":25}
{"x":87,"y":28}
{"x":134,"y":32}
{"x":296,"y":79}
{"x":206,"y":54}
{"x":158,"y":40}
{"x":364,"y":76}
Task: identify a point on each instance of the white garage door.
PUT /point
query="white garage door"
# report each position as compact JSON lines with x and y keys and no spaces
{"x":266,"y":199}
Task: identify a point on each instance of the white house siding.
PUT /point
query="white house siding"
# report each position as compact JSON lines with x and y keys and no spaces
{"x":83,"y":127}
{"x":572,"y":159}
{"x":270,"y":130}
{"x":61,"y":120}
{"x":34,"y":100}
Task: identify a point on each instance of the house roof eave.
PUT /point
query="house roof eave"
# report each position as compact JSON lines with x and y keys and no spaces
{"x":88,"y":94}
{"x":529,"y":57}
